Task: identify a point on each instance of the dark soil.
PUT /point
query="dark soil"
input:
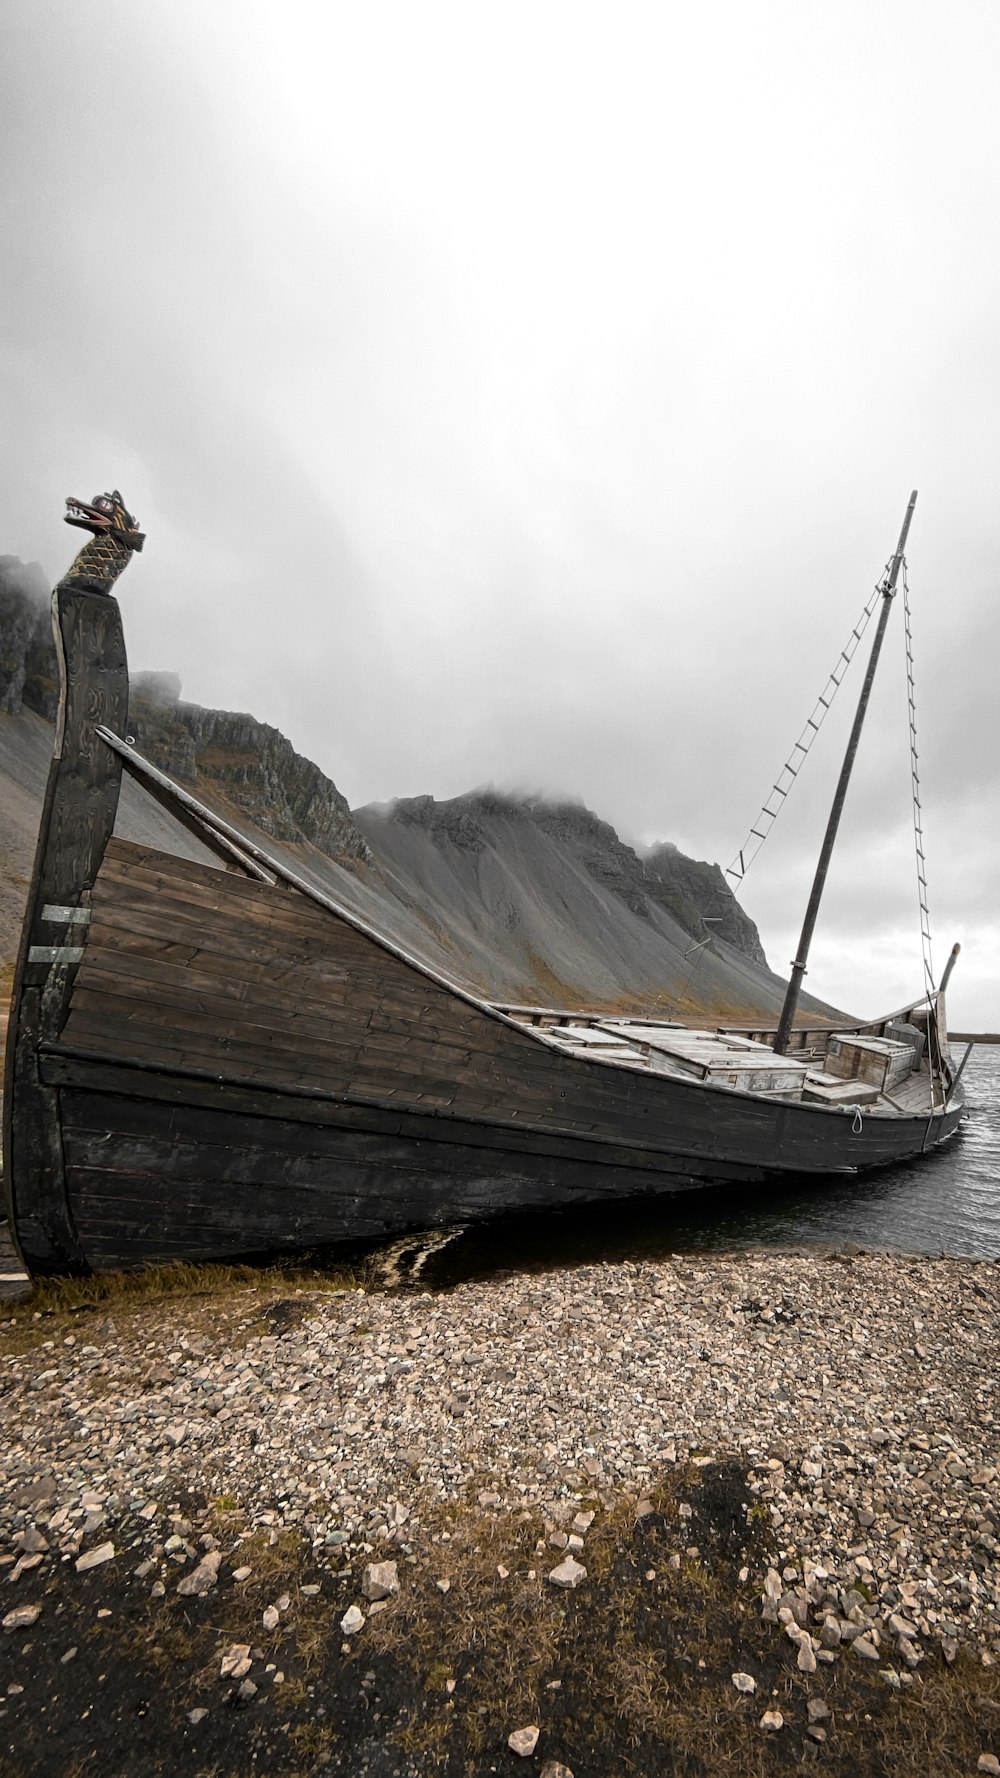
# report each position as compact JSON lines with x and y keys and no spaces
{"x":628,"y":1675}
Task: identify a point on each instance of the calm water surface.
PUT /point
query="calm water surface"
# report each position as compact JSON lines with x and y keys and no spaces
{"x":946,"y":1202}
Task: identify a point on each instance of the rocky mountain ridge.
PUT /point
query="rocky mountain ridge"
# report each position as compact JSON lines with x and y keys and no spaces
{"x":687,"y":888}
{"x":28,"y":675}
{"x":249,"y":764}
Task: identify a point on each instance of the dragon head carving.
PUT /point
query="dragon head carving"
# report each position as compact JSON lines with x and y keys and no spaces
{"x":114,"y":538}
{"x":106,"y":512}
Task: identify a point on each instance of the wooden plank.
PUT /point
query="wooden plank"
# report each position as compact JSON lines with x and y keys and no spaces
{"x":127,"y":861}
{"x":220,"y":933}
{"x":341,"y":1062}
{"x":289,"y":1030}
{"x":531,"y":1057}
{"x":299,"y":1123}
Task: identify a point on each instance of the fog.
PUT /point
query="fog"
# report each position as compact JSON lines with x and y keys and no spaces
{"x":532,"y":395}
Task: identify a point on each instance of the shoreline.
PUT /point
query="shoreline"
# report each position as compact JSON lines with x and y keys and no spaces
{"x":842,"y":1410}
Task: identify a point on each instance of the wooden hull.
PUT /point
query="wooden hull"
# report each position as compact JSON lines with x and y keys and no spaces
{"x":240,"y":1073}
{"x":218,"y":1067}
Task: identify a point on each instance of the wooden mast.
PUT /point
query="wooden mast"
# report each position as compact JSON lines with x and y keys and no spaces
{"x":888,"y":590}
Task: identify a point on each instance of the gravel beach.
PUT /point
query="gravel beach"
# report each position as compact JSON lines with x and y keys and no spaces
{"x":857,"y":1395}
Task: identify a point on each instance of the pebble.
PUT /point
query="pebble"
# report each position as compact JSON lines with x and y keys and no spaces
{"x":202,"y":1579}
{"x":197,"y":1716}
{"x":744,"y":1682}
{"x":568,"y":1574}
{"x":988,"y":1762}
{"x":381,"y":1580}
{"x":22,"y":1617}
{"x":352,"y":1621}
{"x":865,"y":1649}
{"x":30,"y":1541}
{"x":105,"y":1552}
{"x":235,"y":1661}
{"x":523,"y":1741}
{"x":554,"y":1768}
{"x":772,"y":1719}
{"x":271,"y":1617}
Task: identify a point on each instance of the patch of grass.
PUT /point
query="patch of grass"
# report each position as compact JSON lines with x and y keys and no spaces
{"x":178,"y":1278}
{"x":312,"y":1740}
{"x":55,"y":1305}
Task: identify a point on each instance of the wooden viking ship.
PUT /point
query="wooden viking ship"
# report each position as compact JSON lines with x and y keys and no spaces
{"x":210,"y":1063}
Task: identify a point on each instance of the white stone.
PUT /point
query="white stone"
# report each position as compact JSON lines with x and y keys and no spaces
{"x":865,"y":1650}
{"x":568,"y":1574}
{"x":202,"y":1579}
{"x":523,"y":1741}
{"x":381,"y":1580}
{"x":22,"y":1618}
{"x":352,"y":1621}
{"x":744,"y":1682}
{"x":772,"y":1719}
{"x":93,"y":1558}
{"x":232,"y":1657}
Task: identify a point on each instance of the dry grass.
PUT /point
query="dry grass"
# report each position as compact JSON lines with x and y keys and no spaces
{"x":253,"y":1292}
{"x":632,"y":1674}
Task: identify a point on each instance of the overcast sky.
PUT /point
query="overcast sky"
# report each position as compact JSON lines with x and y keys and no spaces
{"x":531,"y":394}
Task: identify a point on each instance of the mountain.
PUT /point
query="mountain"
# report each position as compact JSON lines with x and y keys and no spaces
{"x":244,"y":763}
{"x":523,"y":900}
{"x":545,"y":905}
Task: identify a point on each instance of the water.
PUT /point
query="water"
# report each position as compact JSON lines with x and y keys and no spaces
{"x":948,"y":1202}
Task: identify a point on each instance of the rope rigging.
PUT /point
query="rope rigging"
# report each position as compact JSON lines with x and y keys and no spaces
{"x":761,"y":827}
{"x":918,"y":819}
{"x":775,"y":800}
